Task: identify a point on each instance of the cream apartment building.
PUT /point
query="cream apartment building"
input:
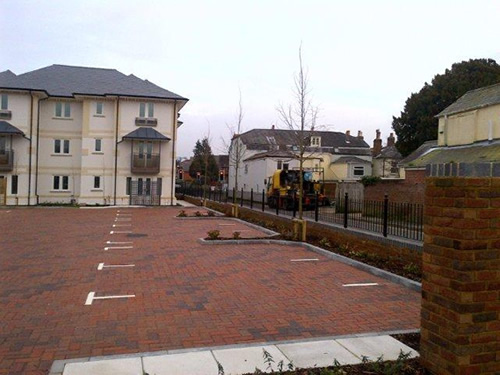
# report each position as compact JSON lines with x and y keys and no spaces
{"x":88,"y":136}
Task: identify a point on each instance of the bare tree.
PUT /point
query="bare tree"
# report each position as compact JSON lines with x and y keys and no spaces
{"x":234,"y":147}
{"x":300,"y":117}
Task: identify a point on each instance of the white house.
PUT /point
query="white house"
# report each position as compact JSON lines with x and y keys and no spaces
{"x":88,"y":136}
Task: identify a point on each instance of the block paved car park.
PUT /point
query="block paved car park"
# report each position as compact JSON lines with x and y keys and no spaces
{"x":179,"y":293}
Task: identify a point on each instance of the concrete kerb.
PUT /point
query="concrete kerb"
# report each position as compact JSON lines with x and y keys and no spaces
{"x":413,"y":285}
{"x":58,"y":365}
{"x":254,"y":226}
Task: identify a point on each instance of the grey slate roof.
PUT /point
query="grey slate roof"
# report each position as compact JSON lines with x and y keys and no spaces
{"x":474,"y":99}
{"x":389,"y":152}
{"x":7,"y":128}
{"x":422,"y":150}
{"x":146,"y":134}
{"x":67,"y":81}
{"x":350,"y":159}
{"x":261,"y":139}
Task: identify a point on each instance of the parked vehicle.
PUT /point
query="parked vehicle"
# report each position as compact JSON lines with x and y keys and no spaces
{"x":283,"y":190}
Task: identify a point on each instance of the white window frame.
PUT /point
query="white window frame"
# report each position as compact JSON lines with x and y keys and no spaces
{"x":65,"y":110}
{"x":357,"y":167}
{"x":97,"y":113}
{"x":60,"y":183}
{"x":4,"y":98}
{"x":147,"y":110}
{"x":316,"y":141}
{"x":96,"y":141}
{"x":62,"y":144}
{"x":97,"y":179}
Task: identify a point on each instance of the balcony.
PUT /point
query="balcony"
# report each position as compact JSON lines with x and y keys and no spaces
{"x":146,"y":121}
{"x":5,"y":114}
{"x":145,"y":163}
{"x":6,"y":161}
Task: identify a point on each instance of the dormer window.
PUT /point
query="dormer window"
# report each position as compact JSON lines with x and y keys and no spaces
{"x":316,"y":141}
{"x":271,"y":140}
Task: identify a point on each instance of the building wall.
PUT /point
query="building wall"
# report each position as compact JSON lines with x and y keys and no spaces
{"x":411,"y":189}
{"x":382,"y":167}
{"x":469,"y":127}
{"x":83,"y":163}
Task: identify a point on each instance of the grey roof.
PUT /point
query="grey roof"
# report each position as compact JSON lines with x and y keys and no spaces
{"x":6,"y":128}
{"x":350,"y":159}
{"x":474,"y":99}
{"x":422,"y":150}
{"x":389,"y":152}
{"x":68,"y":81}
{"x":146,"y":134}
{"x":475,"y":153}
{"x":272,"y":154}
{"x":261,"y":139}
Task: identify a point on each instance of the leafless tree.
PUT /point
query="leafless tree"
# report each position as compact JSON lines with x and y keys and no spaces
{"x":234,"y":147}
{"x":300,"y":117}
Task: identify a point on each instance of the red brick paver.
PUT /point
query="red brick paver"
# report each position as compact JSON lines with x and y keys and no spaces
{"x":187,"y":294}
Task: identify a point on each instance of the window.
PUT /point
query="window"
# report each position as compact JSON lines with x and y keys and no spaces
{"x":63,"y":109}
{"x":98,"y":145}
{"x":358,"y":171}
{"x":271,"y":140}
{"x":159,"y":182}
{"x":129,"y":183}
{"x":61,"y":146}
{"x":285,"y":166}
{"x":3,"y":145}
{"x":246,"y":168}
{"x":148,"y":186}
{"x":4,"y":102}
{"x":279,"y":164}
{"x":316,"y":141}
{"x":13,"y":185}
{"x":99,"y":108}
{"x":97,"y":182}
{"x":139,"y":186}
{"x":146,"y":110}
{"x":61,"y":183}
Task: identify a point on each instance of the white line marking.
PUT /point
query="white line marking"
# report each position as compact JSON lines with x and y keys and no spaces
{"x":123,"y":219}
{"x":91,"y":297}
{"x":117,"y":247}
{"x":101,"y":266}
{"x":123,"y":214}
{"x":226,"y":225}
{"x":304,"y":260}
{"x":118,"y":243}
{"x":118,"y":232}
{"x":361,"y":284}
{"x":121,"y":225}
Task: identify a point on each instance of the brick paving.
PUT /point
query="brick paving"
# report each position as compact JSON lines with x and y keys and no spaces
{"x":187,"y":294}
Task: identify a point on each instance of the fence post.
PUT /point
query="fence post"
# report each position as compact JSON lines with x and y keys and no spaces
{"x":316,"y":207}
{"x":278,"y":203}
{"x":346,"y":209}
{"x":251,"y":198}
{"x":241,"y":198}
{"x":227,"y":194}
{"x":263,"y":200}
{"x":386,"y":213}
{"x":234,"y":195}
{"x":294,"y":204}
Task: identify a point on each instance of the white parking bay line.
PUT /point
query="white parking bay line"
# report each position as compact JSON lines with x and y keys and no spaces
{"x":117,"y":247}
{"x":226,"y":225}
{"x":91,"y":297}
{"x":360,"y":284}
{"x":304,"y":260}
{"x":123,"y":219}
{"x":121,"y":225}
{"x":101,"y":266}
{"x":120,"y":231}
{"x":118,"y":243}
{"x":123,"y":214}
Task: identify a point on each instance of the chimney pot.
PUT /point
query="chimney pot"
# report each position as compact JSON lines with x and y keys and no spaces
{"x":360,"y":134}
{"x":378,"y":134}
{"x":348,"y":133}
{"x":272,"y":127}
{"x":391,"y":140}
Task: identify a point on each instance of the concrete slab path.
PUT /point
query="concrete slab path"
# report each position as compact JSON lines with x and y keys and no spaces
{"x":239,"y":359}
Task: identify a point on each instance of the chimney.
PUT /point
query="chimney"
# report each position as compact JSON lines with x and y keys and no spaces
{"x":377,"y":144}
{"x":272,"y":127}
{"x":348,"y":133}
{"x":391,"y":140}
{"x":360,"y":135}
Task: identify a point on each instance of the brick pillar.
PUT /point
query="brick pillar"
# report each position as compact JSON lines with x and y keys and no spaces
{"x":460,"y":330}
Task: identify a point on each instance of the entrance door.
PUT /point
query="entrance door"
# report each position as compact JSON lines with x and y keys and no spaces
{"x":3,"y":190}
{"x":144,"y":192}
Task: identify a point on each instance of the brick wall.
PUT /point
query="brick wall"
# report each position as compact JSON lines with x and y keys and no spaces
{"x":461,"y":273}
{"x":411,"y":189}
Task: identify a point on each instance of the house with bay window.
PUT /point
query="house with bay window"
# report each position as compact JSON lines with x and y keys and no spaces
{"x":87,"y":136}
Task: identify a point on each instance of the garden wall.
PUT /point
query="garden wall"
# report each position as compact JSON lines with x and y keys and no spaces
{"x":411,"y":189}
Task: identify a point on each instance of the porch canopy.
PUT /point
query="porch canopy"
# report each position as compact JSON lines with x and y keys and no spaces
{"x":146,"y":134}
{"x":8,"y":129}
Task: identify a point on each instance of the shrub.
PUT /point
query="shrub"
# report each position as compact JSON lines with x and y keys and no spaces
{"x":369,"y":180}
{"x":236,"y":235}
{"x":325,"y":242}
{"x":182,"y":214}
{"x":213,"y":234}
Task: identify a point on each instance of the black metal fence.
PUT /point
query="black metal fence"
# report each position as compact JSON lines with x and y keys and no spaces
{"x":388,"y":218}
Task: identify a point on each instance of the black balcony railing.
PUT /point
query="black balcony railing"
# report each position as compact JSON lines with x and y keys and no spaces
{"x":145,"y":163}
{"x":405,"y":220}
{"x":6,"y":161}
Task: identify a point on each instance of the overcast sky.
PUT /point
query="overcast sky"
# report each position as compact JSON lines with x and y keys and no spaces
{"x":364,"y":57}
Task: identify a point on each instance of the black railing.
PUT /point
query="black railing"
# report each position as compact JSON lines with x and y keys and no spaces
{"x":387,"y":218}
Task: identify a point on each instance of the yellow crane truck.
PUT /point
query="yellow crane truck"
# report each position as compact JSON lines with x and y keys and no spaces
{"x":283,"y":190}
